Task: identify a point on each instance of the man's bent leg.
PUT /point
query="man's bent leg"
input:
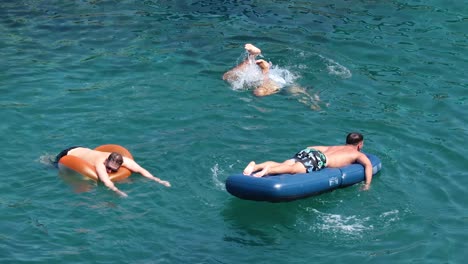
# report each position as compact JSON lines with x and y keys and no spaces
{"x":284,"y":168}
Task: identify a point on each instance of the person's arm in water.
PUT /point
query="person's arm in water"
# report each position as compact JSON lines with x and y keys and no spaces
{"x":104,"y":177}
{"x":133,"y":166}
{"x":362,"y":159}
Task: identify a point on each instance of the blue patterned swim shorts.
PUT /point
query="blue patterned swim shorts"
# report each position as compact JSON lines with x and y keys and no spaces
{"x":313,"y":160}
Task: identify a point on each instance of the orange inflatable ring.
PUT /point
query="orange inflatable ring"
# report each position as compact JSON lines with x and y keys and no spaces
{"x":87,"y":169}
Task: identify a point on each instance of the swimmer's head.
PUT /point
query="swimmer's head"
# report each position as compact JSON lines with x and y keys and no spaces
{"x":355,"y":139}
{"x":113,"y":162}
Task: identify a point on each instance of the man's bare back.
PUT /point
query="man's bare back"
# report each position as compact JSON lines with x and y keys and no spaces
{"x":91,"y":156}
{"x":339,"y":156}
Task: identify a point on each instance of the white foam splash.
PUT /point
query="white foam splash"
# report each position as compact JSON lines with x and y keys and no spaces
{"x":251,"y":77}
{"x":281,"y":76}
{"x":334,"y":68}
{"x":215,"y":177}
{"x":351,"y":225}
{"x":390,"y":216}
{"x":47,"y":159}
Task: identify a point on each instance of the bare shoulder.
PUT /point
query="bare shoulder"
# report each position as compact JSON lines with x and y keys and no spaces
{"x":362,"y":158}
{"x":127,"y":160}
{"x":362,"y":155}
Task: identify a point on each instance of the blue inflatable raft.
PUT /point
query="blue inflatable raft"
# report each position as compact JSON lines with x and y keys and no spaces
{"x":288,"y":187}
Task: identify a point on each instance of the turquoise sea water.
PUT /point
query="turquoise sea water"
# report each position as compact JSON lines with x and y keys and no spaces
{"x":147,"y":75}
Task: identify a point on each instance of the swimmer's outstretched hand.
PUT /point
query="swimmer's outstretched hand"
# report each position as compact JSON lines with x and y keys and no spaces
{"x":365,"y":187}
{"x":111,"y":186}
{"x":119,"y":192}
{"x":165,"y":183}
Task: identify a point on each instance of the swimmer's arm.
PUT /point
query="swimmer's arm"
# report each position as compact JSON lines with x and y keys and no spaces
{"x":104,"y":177}
{"x":135,"y":167}
{"x":362,"y":159}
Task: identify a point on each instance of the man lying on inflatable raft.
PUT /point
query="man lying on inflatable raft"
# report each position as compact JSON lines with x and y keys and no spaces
{"x":345,"y":165}
{"x":106,"y":163}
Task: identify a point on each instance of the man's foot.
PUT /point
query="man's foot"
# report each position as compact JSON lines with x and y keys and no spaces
{"x":264,"y":65}
{"x":262,"y":172}
{"x":252,"y":50}
{"x":249,"y":169}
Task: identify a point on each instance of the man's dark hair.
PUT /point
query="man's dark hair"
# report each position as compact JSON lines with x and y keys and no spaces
{"x":115,"y":157}
{"x":354,"y":138}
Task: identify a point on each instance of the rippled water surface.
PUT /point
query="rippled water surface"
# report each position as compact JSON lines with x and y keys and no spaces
{"x":147,"y":75}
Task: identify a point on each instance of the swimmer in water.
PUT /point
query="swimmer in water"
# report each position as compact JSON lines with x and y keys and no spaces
{"x":269,"y":82}
{"x":267,"y":86}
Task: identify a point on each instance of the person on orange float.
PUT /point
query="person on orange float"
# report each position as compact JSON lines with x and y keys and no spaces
{"x":108,"y":162}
